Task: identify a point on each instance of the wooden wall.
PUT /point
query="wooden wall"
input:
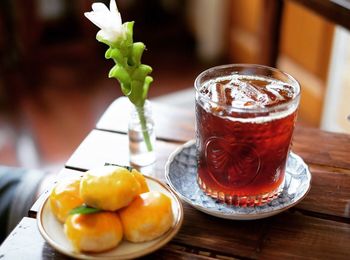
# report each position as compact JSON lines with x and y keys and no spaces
{"x":304,"y":47}
{"x":244,"y":30}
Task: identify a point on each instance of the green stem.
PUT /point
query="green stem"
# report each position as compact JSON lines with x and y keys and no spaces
{"x":146,"y":137}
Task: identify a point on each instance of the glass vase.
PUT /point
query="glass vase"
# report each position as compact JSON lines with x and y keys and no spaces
{"x":142,"y":136}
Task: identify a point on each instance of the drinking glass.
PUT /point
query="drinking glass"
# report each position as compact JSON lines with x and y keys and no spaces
{"x":245,"y":116}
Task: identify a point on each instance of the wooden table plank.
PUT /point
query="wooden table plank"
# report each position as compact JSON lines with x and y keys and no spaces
{"x":329,"y":193}
{"x":25,"y":242}
{"x":100,"y":147}
{"x":174,"y":251}
{"x":293,"y":236}
{"x":320,"y":147}
{"x":180,"y":121}
{"x":290,"y":234}
{"x":234,"y":238}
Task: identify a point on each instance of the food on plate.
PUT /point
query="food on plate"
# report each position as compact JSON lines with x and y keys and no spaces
{"x":141,"y":180}
{"x":147,"y":217}
{"x":95,"y":232}
{"x":109,"y":187}
{"x":64,"y":197}
{"x":107,"y":204}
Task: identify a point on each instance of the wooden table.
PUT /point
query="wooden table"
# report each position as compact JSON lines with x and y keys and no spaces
{"x":318,"y":227}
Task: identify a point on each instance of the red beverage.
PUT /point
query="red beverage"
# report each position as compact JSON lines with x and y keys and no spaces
{"x":244,"y":127}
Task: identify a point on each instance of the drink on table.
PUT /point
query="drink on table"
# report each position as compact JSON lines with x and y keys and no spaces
{"x":245,"y":116}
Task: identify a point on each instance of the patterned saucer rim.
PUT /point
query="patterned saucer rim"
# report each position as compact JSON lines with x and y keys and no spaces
{"x":237,"y":215}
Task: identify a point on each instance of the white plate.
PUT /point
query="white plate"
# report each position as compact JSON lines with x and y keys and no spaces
{"x":52,"y":231}
{"x":181,"y":175}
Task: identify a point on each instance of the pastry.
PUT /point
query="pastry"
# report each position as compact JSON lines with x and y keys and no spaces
{"x":141,"y":180}
{"x":64,"y":197}
{"x":94,"y":232}
{"x":147,"y":217}
{"x":109,"y":187}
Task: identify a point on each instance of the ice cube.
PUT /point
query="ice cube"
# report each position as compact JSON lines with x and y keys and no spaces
{"x":274,"y":89}
{"x":247,"y":94}
{"x":279,"y":92}
{"x":219,"y":94}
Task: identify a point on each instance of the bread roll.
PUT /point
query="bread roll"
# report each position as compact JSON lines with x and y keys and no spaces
{"x":109,"y":187}
{"x":94,"y":232}
{"x":64,"y":197}
{"x":149,"y":216}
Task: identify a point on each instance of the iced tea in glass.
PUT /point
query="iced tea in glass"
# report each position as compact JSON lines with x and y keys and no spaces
{"x":245,"y":116}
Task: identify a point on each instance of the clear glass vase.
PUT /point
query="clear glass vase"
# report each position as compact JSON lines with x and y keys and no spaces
{"x":142,"y":136}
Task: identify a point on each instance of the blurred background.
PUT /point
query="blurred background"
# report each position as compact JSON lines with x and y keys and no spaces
{"x":53,"y":75}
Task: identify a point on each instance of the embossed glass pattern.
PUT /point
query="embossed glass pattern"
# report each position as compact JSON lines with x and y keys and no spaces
{"x":245,"y":116}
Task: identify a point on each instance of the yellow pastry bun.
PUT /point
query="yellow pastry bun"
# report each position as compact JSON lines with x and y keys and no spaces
{"x":94,"y":232}
{"x":64,"y":197}
{"x":109,"y":187}
{"x":141,"y":180}
{"x":149,"y":216}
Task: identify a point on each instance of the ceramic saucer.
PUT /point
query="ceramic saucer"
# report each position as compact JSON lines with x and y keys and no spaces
{"x":181,"y":175}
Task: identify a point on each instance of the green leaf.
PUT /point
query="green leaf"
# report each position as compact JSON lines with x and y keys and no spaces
{"x":126,"y":89}
{"x":84,"y":209}
{"x":136,"y":53}
{"x":146,"y":85}
{"x":129,"y":168}
{"x":141,"y":72}
{"x":120,"y":73}
{"x":116,"y":55}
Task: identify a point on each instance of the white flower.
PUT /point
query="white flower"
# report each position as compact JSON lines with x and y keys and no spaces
{"x":109,"y":21}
